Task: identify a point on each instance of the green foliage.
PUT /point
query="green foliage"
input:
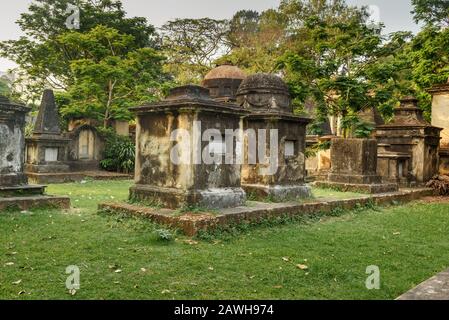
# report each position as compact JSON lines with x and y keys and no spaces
{"x":353,"y":127}
{"x":256,"y":40}
{"x":108,"y":78}
{"x":432,"y":12}
{"x":44,"y":61}
{"x":164,"y":235}
{"x":119,"y":154}
{"x":314,"y":149}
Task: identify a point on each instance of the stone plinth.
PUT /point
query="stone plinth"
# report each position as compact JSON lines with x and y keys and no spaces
{"x":12,"y":142}
{"x":275,"y":141}
{"x":178,"y":162}
{"x":354,"y":161}
{"x":410,"y":134}
{"x":354,"y":167}
{"x":47,"y":149}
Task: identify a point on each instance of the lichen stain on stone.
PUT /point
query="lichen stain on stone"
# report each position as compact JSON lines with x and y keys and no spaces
{"x":10,"y":143}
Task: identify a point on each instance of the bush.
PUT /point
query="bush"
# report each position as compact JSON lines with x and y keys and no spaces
{"x":119,"y":154}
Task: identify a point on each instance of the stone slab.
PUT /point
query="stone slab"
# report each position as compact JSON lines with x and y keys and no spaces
{"x":278,"y":193}
{"x":191,"y":223}
{"x":21,"y":190}
{"x":47,"y":178}
{"x":213,"y":198}
{"x":30,"y":202}
{"x":363,"y":188}
{"x":436,"y":288}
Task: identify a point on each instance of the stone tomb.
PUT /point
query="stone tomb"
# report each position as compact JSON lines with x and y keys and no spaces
{"x":173,"y":168}
{"x":275,"y":140}
{"x":47,"y":149}
{"x":411,"y":142}
{"x":354,"y":167}
{"x":440,"y":119}
{"x":12,"y":142}
{"x":14,"y":190}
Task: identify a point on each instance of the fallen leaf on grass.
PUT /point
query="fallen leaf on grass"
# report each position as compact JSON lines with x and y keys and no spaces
{"x":302,"y":267}
{"x":286,"y":259}
{"x":17,"y":282}
{"x":9,"y":263}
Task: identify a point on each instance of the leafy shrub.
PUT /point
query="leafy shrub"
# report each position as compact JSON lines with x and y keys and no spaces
{"x":119,"y":153}
{"x":164,"y":235}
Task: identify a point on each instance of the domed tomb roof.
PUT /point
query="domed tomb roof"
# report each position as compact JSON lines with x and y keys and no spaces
{"x":223,"y":82}
{"x":264,"y":92}
{"x":225,"y":72}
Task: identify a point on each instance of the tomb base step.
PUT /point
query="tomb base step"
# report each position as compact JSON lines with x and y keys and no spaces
{"x":277,"y":193}
{"x":23,"y":190}
{"x":34,"y":202}
{"x":214,"y":198}
{"x":49,"y":178}
{"x":361,"y":188}
{"x":191,"y":223}
{"x":355,"y":178}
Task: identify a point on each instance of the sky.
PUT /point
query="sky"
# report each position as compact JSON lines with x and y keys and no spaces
{"x":394,"y":13}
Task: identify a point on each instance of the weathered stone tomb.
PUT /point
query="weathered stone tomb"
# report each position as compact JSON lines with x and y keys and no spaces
{"x":47,"y":148}
{"x":14,"y":189}
{"x":12,"y":142}
{"x":186,"y":151}
{"x":275,"y":140}
{"x":354,"y":167}
{"x":440,"y":119}
{"x":408,"y":146}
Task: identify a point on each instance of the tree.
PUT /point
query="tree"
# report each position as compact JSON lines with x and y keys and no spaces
{"x":192,"y":45}
{"x":432,"y":12}
{"x":108,"y":78}
{"x":43,"y":61}
{"x":340,"y":63}
{"x":257,"y":40}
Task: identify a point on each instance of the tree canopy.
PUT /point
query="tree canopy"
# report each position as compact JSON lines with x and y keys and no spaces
{"x":329,"y":53}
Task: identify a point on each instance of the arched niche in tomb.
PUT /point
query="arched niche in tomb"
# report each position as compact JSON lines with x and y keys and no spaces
{"x":86,"y":146}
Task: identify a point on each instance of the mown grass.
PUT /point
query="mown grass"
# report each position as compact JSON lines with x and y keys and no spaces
{"x":124,"y":258}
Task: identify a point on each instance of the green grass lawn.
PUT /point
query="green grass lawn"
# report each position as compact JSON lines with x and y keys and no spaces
{"x":123,"y":258}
